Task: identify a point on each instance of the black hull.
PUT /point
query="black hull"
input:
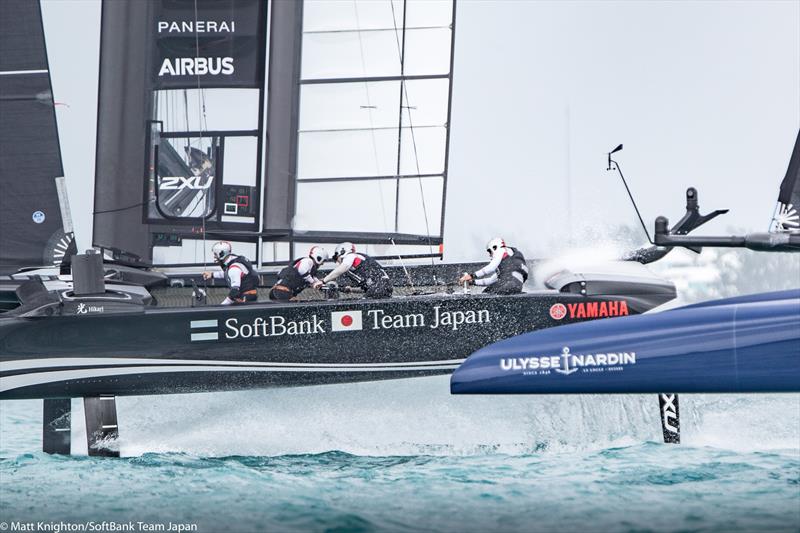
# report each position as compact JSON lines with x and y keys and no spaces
{"x":165,"y":351}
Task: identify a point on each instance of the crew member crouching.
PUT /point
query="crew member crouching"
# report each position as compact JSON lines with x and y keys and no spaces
{"x":237,"y":271}
{"x":362,"y":270}
{"x":298,"y":275}
{"x":506,"y":273}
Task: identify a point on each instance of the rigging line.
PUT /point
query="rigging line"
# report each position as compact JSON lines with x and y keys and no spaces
{"x":326,"y":32}
{"x":201,"y":122}
{"x":140,"y":204}
{"x":773,"y":223}
{"x":403,"y":264}
{"x":369,"y":110}
{"x":404,"y":91}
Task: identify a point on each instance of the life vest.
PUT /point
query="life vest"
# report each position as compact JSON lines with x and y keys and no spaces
{"x":511,"y":264}
{"x":366,"y":271}
{"x":249,"y":280}
{"x":290,"y":278}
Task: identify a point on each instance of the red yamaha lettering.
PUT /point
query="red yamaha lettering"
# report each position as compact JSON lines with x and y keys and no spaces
{"x":597,"y":309}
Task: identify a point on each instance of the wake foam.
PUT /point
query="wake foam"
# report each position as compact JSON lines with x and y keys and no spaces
{"x":420,"y":417}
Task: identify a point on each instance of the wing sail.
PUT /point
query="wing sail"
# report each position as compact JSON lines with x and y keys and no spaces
{"x":371,"y":131}
{"x":34,"y":231}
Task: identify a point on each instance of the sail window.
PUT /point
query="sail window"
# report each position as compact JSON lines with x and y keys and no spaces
{"x":207,"y":109}
{"x":185,"y":180}
{"x":373,"y":117}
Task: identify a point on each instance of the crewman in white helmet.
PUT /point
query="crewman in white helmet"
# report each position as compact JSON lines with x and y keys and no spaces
{"x":506,"y":273}
{"x":361,"y":270}
{"x":237,"y":271}
{"x":298,"y":275}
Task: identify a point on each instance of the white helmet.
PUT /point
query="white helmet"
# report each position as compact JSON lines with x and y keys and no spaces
{"x":494,"y":244}
{"x":344,"y":249}
{"x":318,"y":254}
{"x":221,"y":250}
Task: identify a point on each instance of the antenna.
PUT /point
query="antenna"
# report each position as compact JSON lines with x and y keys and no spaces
{"x":619,"y":171}
{"x":614,"y":151}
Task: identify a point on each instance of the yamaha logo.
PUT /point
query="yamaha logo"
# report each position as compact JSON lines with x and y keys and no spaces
{"x":558,"y":311}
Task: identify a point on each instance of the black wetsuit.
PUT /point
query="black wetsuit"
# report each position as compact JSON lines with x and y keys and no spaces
{"x":512,"y":273}
{"x":248,"y":288}
{"x":290,"y":281}
{"x":370,"y":276}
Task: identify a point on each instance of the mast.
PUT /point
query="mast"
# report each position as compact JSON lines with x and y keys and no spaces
{"x":179,"y":129}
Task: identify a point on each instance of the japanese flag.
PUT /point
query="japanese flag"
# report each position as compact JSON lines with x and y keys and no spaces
{"x":345,"y":320}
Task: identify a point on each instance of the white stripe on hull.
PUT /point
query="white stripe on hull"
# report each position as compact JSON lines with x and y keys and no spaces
{"x":210,"y":336}
{"x":40,"y":378}
{"x":203,"y":323}
{"x":57,"y":362}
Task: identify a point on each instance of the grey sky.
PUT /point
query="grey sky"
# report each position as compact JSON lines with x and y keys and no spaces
{"x":701,"y":93}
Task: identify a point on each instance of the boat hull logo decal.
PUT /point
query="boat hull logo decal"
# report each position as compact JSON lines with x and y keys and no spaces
{"x":346,"y":321}
{"x":596,"y":309}
{"x":558,"y":311}
{"x":669,"y":412}
{"x":178,"y":183}
{"x":204,"y":330}
{"x":84,"y":309}
{"x":568,"y":363}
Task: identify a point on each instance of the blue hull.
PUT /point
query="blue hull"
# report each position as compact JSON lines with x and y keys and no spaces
{"x":743,"y":344}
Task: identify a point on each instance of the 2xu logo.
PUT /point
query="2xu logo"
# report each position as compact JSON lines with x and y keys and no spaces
{"x":670,"y":421}
{"x":178,"y":183}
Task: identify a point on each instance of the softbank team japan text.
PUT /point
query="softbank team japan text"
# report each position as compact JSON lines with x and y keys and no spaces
{"x":276,"y":326}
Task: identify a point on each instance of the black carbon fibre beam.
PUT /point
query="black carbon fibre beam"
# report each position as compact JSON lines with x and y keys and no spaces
{"x":56,"y":425}
{"x":101,"y":425}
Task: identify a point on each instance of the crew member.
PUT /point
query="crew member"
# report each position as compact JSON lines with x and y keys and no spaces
{"x":237,"y":271}
{"x":298,"y":275}
{"x":505,"y":273}
{"x":363,"y":271}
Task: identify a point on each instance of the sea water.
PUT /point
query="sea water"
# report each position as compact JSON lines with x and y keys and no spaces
{"x":407,"y":456}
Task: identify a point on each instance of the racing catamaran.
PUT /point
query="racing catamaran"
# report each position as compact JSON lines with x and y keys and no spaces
{"x":178,"y":167}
